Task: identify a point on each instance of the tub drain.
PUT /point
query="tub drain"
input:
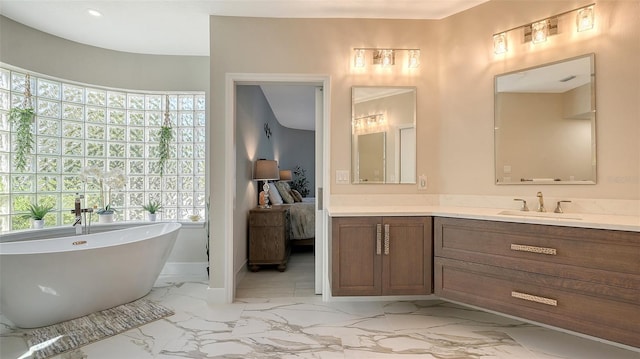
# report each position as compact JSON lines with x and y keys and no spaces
{"x":76,"y":243}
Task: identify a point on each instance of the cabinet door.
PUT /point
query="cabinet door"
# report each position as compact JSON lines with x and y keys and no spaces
{"x":356,"y":264}
{"x":407,"y":264}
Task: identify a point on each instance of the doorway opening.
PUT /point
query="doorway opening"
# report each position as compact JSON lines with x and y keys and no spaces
{"x":258,"y":136}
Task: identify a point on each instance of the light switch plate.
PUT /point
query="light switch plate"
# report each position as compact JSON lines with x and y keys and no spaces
{"x":342,"y":177}
{"x":422,"y":182}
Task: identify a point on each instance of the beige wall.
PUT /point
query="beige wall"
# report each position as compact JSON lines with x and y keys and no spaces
{"x":454,"y":90}
{"x":468,"y":68}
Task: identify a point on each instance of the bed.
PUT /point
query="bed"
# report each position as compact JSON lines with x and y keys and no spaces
{"x":302,"y":217}
{"x":302,"y":213}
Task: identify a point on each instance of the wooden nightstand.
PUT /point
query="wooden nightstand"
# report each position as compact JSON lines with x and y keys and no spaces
{"x":269,"y":237}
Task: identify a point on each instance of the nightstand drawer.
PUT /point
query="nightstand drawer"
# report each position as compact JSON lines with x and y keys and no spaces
{"x":274,"y":217}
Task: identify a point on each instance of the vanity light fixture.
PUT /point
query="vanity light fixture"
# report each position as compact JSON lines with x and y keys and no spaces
{"x":384,"y":57}
{"x":359,"y":58}
{"x":538,"y":31}
{"x":500,"y":43}
{"x":584,"y":19}
{"x":414,"y":59}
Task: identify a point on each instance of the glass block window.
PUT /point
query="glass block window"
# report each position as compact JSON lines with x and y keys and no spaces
{"x":77,"y":126}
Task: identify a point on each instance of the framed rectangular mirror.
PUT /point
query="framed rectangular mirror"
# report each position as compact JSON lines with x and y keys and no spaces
{"x":545,"y":124}
{"x":383,"y":135}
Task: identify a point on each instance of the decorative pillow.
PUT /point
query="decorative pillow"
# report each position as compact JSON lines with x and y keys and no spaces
{"x":274,"y":194}
{"x":296,"y":195}
{"x":285,"y":192}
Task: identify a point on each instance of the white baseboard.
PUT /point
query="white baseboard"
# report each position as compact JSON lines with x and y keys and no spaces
{"x":185,"y":270}
{"x":217,"y":296}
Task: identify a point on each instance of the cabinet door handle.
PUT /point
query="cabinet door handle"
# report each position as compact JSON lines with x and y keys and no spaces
{"x":534,"y":298}
{"x":533,"y":249}
{"x":378,"y":239}
{"x":386,"y":239}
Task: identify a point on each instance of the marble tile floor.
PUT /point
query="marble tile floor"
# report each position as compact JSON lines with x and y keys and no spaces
{"x":292,"y":327}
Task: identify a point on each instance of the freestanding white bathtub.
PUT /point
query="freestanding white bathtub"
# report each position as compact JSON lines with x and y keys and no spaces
{"x":48,"y":281}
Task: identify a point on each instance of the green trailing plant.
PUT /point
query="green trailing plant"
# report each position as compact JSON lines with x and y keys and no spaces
{"x":38,"y":211}
{"x":152,"y":207}
{"x":166,"y":136}
{"x":300,"y":182}
{"x":22,"y":119}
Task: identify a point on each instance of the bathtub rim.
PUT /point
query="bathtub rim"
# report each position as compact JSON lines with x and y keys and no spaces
{"x":31,"y":245}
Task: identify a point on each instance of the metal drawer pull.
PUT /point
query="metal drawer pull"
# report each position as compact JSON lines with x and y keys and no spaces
{"x":386,"y":239}
{"x":533,"y":249}
{"x":534,"y":298}
{"x":378,"y":239}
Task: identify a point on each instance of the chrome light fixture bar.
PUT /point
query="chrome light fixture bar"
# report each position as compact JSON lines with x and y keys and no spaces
{"x":384,"y":56}
{"x":538,"y":31}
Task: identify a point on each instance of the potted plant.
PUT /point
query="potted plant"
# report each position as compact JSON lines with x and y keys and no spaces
{"x":106,"y":181}
{"x":300,"y":182}
{"x":37,"y":213}
{"x":152,"y":207}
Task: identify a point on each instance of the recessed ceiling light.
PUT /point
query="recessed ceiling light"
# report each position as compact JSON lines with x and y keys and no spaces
{"x":95,"y":13}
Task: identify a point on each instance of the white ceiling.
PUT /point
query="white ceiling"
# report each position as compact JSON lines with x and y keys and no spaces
{"x":556,"y":78}
{"x":181,"y":27}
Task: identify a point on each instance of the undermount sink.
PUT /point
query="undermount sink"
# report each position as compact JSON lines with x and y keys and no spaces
{"x":540,"y":214}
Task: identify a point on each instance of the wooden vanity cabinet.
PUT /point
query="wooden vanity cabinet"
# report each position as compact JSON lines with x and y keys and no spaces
{"x":381,"y":256}
{"x":584,"y":280}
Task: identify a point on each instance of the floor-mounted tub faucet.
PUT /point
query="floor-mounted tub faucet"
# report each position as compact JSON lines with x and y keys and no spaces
{"x":78,"y":211}
{"x":77,"y":224}
{"x":540,"y":202}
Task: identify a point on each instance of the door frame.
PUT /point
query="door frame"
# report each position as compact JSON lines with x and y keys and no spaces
{"x":322,"y":177}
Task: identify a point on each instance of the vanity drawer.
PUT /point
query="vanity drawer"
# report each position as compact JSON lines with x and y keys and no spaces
{"x":537,"y":297}
{"x":473,"y":240}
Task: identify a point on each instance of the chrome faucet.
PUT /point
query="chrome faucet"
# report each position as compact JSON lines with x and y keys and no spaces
{"x":540,"y":202}
{"x":78,"y":211}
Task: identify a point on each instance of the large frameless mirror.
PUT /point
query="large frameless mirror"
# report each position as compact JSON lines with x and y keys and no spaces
{"x":545,"y":124}
{"x":383,"y":135}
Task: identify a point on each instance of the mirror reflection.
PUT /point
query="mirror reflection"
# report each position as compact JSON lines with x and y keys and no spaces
{"x":545,"y":124}
{"x":383,"y":137}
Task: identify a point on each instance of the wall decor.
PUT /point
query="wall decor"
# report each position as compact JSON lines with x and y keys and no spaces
{"x":267,"y":130}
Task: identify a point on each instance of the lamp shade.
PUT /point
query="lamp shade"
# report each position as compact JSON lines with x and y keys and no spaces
{"x":285,"y":175}
{"x":265,"y":170}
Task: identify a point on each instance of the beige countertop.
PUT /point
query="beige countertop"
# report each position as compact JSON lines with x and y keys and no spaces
{"x":582,"y":220}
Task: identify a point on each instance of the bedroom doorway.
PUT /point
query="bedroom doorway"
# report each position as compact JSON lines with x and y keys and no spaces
{"x":302,"y":259}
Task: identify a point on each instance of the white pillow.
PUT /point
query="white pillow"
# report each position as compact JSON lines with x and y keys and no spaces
{"x":274,"y":195}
